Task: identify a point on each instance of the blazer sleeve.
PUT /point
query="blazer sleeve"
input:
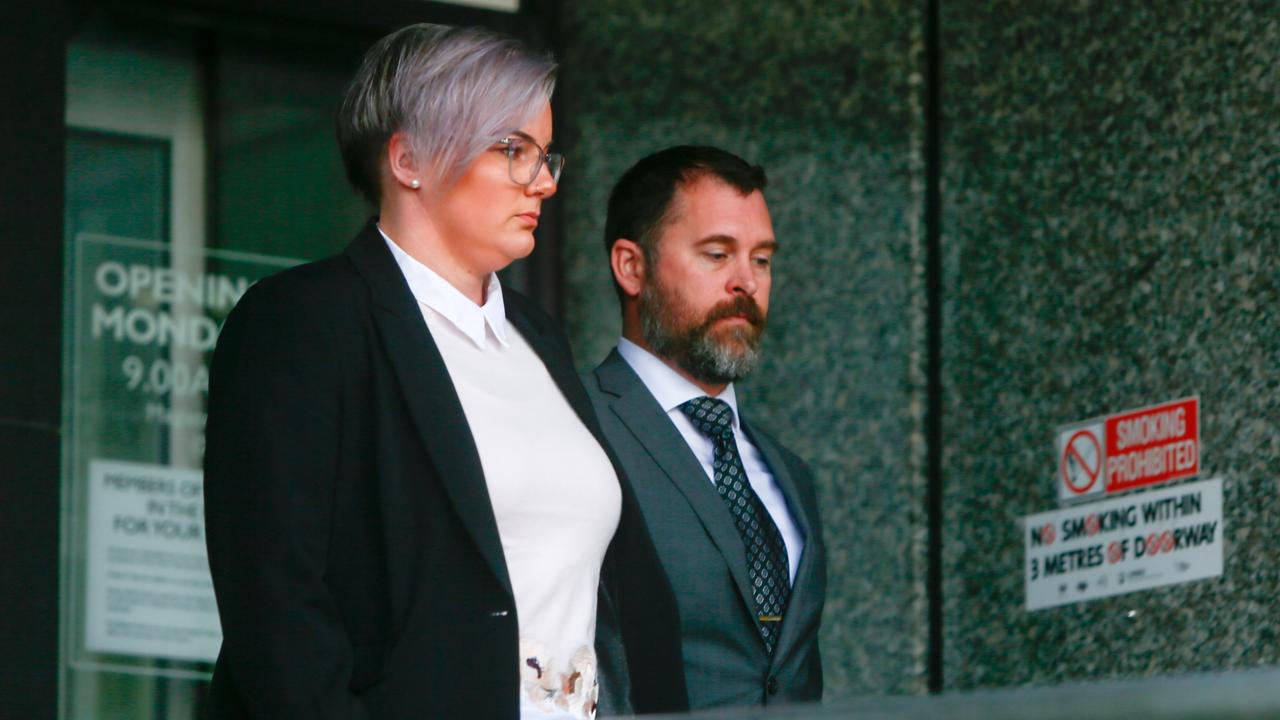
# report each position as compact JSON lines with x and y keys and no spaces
{"x":270,"y":469}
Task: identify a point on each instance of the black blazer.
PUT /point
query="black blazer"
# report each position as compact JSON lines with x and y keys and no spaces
{"x":354,"y":551}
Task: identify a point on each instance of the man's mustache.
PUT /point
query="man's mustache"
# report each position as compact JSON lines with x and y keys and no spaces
{"x":741,"y":305}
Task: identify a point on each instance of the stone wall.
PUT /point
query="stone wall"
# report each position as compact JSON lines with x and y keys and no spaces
{"x":825,"y":96}
{"x":1110,"y":178}
{"x":1112,"y":222}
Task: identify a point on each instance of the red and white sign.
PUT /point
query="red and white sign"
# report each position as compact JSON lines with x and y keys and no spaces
{"x":1127,"y":450}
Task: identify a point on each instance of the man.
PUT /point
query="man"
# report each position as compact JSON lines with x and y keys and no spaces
{"x":691,"y":246}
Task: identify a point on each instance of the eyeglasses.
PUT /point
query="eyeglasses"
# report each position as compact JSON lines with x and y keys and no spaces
{"x":525,"y":159}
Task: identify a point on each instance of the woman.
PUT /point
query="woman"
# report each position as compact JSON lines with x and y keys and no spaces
{"x":410,"y":513}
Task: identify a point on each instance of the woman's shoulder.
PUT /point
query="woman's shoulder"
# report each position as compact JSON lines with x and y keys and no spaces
{"x":312,"y":286}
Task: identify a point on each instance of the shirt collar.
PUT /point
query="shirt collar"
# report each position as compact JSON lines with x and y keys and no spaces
{"x":435,"y":292}
{"x":667,"y":386}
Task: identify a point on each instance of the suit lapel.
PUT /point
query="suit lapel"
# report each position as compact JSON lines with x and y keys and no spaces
{"x":645,"y":419}
{"x":430,"y":395}
{"x":801,"y":515}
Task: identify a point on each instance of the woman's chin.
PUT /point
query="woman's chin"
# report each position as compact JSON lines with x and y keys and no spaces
{"x":521,"y":248}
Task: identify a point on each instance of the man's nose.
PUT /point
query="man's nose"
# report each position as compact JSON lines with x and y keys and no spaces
{"x":743,"y":280}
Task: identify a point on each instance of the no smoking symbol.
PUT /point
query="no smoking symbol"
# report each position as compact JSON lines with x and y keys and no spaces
{"x":1048,"y":534}
{"x":1081,"y":461}
{"x":1160,"y":543}
{"x":1115,"y":553}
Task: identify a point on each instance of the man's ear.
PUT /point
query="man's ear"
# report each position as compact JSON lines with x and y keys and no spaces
{"x":627,"y":260}
{"x":402,"y":162}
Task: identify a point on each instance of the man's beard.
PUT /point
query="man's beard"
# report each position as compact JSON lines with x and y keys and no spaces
{"x":713,"y":356}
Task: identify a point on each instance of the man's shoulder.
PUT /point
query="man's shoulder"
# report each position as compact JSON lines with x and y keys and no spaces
{"x":598,"y":384}
{"x":610,"y":375}
{"x":591,"y":381}
{"x":621,"y":398}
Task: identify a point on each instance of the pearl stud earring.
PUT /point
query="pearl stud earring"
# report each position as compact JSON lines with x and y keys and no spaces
{"x":415,"y":184}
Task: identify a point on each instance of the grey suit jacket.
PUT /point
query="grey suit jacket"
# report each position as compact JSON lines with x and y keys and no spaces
{"x":724,"y":657}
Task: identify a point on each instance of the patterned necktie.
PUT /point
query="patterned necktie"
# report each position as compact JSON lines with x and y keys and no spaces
{"x":767,"y":566}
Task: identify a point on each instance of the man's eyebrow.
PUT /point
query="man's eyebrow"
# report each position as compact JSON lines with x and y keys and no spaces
{"x":718,"y":238}
{"x":770,"y":245}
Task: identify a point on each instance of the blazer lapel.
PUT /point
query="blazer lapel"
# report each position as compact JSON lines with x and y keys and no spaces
{"x":645,"y":419}
{"x":558,"y":362}
{"x":430,"y":395}
{"x":804,"y":574}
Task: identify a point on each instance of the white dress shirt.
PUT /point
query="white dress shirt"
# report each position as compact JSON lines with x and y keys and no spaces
{"x":433,"y":291}
{"x":671,"y":390}
{"x":555,"y":495}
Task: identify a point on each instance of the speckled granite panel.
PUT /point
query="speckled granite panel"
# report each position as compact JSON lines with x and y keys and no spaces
{"x":1111,"y":231}
{"x":825,"y":95}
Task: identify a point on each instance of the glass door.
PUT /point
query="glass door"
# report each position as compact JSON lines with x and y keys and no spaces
{"x":196,"y":164}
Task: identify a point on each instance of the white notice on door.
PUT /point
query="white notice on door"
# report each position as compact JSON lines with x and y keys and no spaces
{"x":149,"y":591}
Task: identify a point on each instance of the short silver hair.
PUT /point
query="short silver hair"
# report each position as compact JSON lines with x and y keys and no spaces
{"x":453,"y":90}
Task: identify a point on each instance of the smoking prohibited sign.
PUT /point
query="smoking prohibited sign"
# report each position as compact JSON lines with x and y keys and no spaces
{"x":1127,"y":450}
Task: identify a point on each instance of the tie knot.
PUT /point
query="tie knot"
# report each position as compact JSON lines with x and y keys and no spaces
{"x":711,"y":416}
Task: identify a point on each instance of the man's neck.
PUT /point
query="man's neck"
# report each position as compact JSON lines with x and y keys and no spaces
{"x":712,"y":390}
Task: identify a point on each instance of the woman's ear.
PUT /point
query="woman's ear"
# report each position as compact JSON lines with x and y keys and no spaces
{"x":627,"y":260}
{"x":402,"y":162}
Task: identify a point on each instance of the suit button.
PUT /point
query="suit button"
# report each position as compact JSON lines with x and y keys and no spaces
{"x":772,"y":686}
